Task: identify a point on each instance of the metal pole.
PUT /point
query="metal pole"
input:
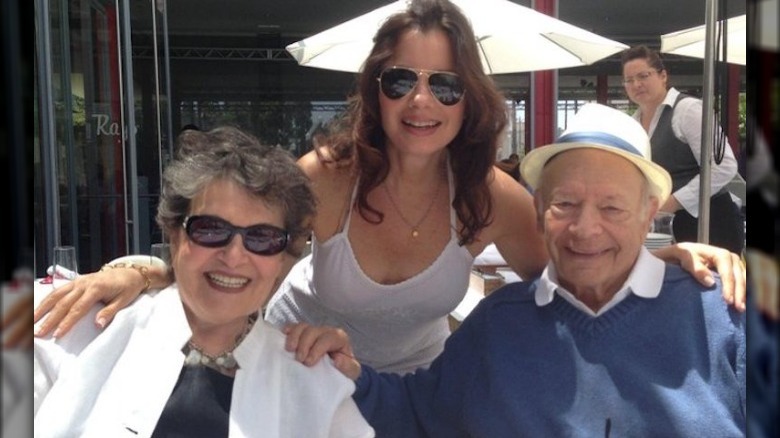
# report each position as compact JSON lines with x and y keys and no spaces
{"x":160,"y":154}
{"x":707,"y":118}
{"x":167,"y":61}
{"x":131,"y":217}
{"x":48,"y":139}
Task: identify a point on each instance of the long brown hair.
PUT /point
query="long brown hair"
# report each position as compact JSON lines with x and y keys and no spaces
{"x":359,"y":134}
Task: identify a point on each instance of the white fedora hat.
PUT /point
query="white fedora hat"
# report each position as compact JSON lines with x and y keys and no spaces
{"x":601,"y":127}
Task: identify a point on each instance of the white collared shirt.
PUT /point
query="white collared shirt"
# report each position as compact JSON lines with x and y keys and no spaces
{"x":645,"y":281}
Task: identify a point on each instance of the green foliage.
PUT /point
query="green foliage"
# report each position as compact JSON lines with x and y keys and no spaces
{"x":742,"y":114}
{"x":78,"y":112}
{"x":272,"y":122}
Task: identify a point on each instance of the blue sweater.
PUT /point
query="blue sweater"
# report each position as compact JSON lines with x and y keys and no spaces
{"x":670,"y":366}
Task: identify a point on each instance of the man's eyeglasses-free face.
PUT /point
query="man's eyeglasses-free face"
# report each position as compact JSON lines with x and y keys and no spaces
{"x":397,"y":82}
{"x":639,"y":77}
{"x":215,"y":232}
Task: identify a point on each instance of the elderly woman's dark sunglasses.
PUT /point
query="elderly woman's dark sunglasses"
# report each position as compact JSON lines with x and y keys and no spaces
{"x":397,"y":82}
{"x":215,"y":232}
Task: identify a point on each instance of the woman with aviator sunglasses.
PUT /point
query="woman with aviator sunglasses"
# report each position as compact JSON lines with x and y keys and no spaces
{"x":407,"y":195}
{"x":193,"y":360}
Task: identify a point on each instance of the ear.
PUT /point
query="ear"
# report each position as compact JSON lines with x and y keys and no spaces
{"x":539,"y":205}
{"x":175,"y":237}
{"x":652,"y":208}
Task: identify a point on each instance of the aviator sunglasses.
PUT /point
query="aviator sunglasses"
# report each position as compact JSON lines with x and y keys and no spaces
{"x":215,"y":232}
{"x":397,"y":82}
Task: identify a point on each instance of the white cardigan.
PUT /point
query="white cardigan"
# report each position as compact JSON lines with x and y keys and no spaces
{"x":116,"y":383}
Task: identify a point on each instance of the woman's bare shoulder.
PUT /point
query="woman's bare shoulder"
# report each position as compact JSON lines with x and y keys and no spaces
{"x":506,"y":191}
{"x":332,"y":186}
{"x":325,"y":176}
{"x":514,"y":226}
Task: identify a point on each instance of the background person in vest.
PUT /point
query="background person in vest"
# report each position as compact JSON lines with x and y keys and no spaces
{"x":673,"y":121}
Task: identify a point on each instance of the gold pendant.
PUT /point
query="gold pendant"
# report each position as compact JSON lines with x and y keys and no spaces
{"x":415,"y":233}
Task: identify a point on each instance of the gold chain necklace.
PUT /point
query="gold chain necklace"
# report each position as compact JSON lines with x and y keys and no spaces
{"x":416,"y":226}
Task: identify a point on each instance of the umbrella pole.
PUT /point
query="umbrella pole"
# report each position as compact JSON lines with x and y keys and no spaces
{"x":707,"y":118}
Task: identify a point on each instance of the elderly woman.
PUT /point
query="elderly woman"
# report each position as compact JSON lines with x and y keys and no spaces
{"x":196,"y":359}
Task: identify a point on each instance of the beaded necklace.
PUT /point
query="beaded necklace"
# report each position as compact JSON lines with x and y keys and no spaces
{"x":224,"y":362}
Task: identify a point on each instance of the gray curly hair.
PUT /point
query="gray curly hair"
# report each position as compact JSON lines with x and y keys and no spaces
{"x":269,"y":173}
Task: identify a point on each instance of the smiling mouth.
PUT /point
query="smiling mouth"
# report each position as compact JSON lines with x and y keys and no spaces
{"x":226,"y":281}
{"x":588,"y":254}
{"x":423,"y":125}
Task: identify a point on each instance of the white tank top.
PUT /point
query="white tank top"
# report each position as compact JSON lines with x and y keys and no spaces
{"x":396,"y":328}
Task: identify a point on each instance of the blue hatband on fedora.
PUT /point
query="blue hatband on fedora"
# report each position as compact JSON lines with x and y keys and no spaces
{"x":601,"y":127}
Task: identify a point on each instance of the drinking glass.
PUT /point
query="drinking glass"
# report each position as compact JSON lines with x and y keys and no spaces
{"x":65,"y":265}
{"x":661,"y":233}
{"x":662,"y":223}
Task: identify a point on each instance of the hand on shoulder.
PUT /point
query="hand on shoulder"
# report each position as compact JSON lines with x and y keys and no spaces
{"x":311,"y":343}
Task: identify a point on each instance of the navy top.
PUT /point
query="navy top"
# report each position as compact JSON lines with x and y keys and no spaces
{"x":198,"y":406}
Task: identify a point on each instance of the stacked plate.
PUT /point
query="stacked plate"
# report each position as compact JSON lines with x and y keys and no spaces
{"x":657,"y":240}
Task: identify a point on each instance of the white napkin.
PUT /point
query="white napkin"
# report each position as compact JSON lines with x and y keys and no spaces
{"x":62,"y":273}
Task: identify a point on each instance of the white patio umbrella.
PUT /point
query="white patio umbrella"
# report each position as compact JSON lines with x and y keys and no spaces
{"x":512,"y":38}
{"x":766,"y":38}
{"x":691,"y":42}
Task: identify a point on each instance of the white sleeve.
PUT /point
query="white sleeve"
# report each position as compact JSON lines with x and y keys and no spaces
{"x":336,"y":403}
{"x":46,"y":361}
{"x":50,"y":355}
{"x":139,"y":259}
{"x":348,"y":422}
{"x":687,"y":126}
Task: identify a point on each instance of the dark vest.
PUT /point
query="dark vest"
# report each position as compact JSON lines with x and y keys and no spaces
{"x":670,"y":152}
{"x":726,"y":226}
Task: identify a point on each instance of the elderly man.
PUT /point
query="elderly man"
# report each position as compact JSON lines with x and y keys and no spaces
{"x":609,"y":341}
